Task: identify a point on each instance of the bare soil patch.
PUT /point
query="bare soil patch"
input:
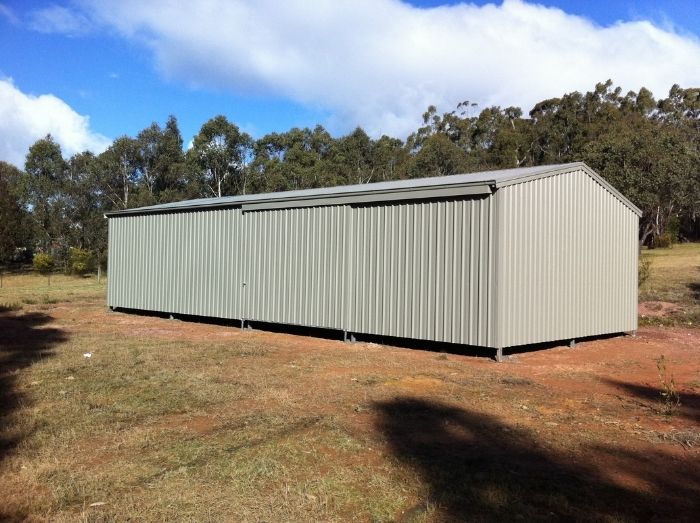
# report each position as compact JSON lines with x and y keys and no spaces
{"x":657,"y":309}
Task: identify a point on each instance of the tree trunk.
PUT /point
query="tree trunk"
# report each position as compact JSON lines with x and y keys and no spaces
{"x":645,"y":235}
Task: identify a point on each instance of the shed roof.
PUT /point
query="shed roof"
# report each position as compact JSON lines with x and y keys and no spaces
{"x":484,"y":182}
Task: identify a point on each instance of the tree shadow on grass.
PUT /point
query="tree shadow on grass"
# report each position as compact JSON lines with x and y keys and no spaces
{"x":475,"y":468}
{"x":694,"y":290}
{"x":23,"y":341}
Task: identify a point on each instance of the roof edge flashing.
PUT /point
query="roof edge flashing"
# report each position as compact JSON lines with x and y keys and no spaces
{"x":545,"y":173}
{"x":171,"y":210}
{"x":368,"y":197}
{"x":575,"y":166}
{"x":322,"y":200}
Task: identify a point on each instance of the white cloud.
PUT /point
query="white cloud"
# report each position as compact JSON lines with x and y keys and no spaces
{"x":26,"y":118}
{"x":380,"y":63}
{"x":59,"y":19}
{"x":8,"y":14}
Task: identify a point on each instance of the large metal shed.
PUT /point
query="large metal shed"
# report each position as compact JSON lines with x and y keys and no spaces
{"x":493,"y":259}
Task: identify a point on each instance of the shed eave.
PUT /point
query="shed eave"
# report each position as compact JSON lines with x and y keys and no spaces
{"x":370,"y":196}
{"x":280,"y":201}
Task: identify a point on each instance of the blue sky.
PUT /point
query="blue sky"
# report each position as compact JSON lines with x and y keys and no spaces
{"x":113,"y":67}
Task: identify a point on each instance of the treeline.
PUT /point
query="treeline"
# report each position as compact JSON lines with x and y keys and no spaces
{"x":649,"y":149}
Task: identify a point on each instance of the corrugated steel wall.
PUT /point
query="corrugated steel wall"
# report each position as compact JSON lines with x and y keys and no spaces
{"x":187,"y":262}
{"x":567,"y":261}
{"x":423,"y":270}
{"x":546,"y":259}
{"x":295,"y":266}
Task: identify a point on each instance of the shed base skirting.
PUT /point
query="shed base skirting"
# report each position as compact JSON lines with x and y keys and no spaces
{"x":498,"y":353}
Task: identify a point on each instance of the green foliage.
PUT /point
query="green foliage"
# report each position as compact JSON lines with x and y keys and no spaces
{"x":161,"y":164}
{"x":218,"y":158}
{"x":46,"y":184}
{"x":648,"y":149}
{"x":43,"y":263}
{"x":119,"y":172}
{"x":80,"y":261}
{"x":673,"y":229}
{"x":437,"y":157}
{"x":14,"y":220}
{"x":663,"y":241}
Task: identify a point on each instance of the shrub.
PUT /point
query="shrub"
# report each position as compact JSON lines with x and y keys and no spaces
{"x":44,"y":264}
{"x":673,"y":229}
{"x":671,"y":400}
{"x":80,"y":261}
{"x":644,"y":270}
{"x":663,"y":241}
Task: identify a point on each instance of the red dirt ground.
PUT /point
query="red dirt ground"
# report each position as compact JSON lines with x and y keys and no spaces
{"x":657,"y":309}
{"x":597,"y":407}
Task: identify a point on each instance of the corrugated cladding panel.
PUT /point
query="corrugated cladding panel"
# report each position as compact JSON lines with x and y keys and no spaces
{"x":567,"y":261}
{"x":417,"y":269}
{"x":540,"y":260}
{"x":187,"y":263}
{"x":296,"y":266}
{"x":423,"y":270}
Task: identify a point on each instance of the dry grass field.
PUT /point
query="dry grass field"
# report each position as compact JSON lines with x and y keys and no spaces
{"x":185,"y":421}
{"x":671,"y":295}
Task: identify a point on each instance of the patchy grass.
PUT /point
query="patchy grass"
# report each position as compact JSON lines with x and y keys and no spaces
{"x":181,"y":421}
{"x":674,"y":279}
{"x":10,"y":307}
{"x":32,"y":288}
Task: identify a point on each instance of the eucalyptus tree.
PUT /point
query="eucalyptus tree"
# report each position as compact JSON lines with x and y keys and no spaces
{"x":389,"y":157}
{"x":267,"y":169}
{"x":353,"y":158}
{"x":87,"y":203}
{"x":171,"y":181}
{"x":45,"y":184}
{"x":438,"y":156}
{"x":307,"y":152}
{"x":147,"y":143}
{"x":14,"y":233}
{"x":161,"y":164}
{"x":119,"y":171}
{"x":219,"y":157}
{"x":512,"y":140}
{"x":680,"y":111}
{"x":11,"y":223}
{"x":296,"y":159}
